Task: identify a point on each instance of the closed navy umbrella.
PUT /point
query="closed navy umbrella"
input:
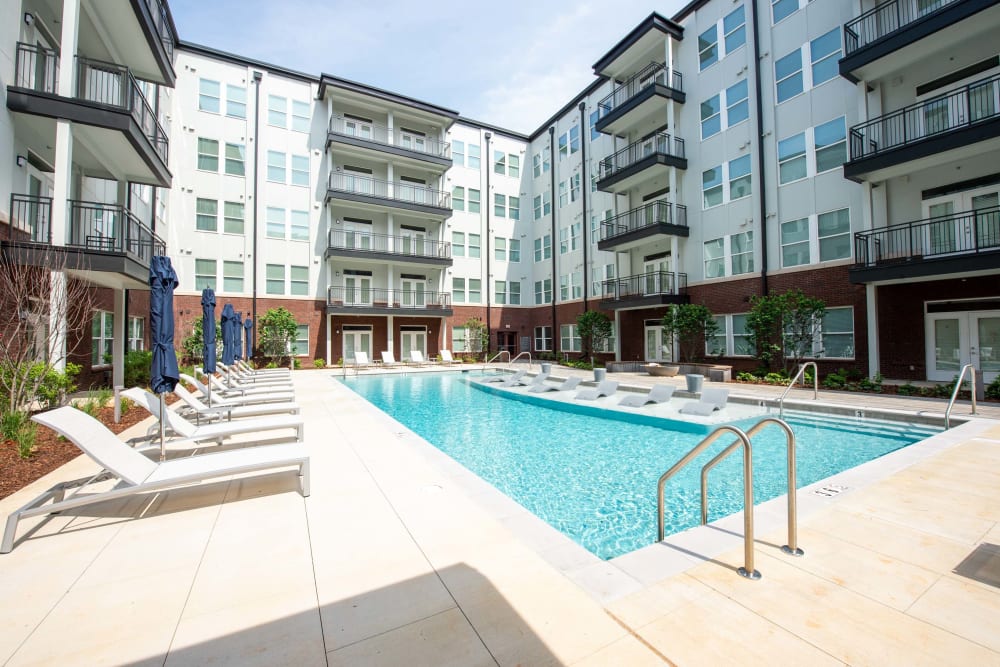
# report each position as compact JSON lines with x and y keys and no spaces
{"x":164,"y":373}
{"x":228,"y":334}
{"x":248,"y":333}
{"x":237,"y":338}
{"x":208,"y":335}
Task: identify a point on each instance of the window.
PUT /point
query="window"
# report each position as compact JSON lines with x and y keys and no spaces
{"x":715,"y":262}
{"x":500,"y":292}
{"x":235,"y":160}
{"x":741,"y":246}
{"x":788,"y":75}
{"x":543,"y":248}
{"x":574,"y":187}
{"x":543,"y":339}
{"x":136,"y":339}
{"x":458,"y":198}
{"x":473,"y":201}
{"x":737,"y":106}
{"x":711,"y":187}
{"x":458,"y":159}
{"x":792,"y":158}
{"x":514,"y":293}
{"x":275,"y":278}
{"x":277,"y":111}
{"x":300,"y":116}
{"x":206,"y":215}
{"x":569,"y":338}
{"x":711,"y":117}
{"x":594,"y":117}
{"x":204,"y":274}
{"x":232,"y":277}
{"x":514,"y":166}
{"x":600,"y":275}
{"x":563,"y":193}
{"x":300,"y":346}
{"x":499,"y":162}
{"x":538,"y":207}
{"x":830,"y":142}
{"x":499,"y":249}
{"x":715,"y":345}
{"x":739,"y":178}
{"x":575,"y":232}
{"x":563,"y":145}
{"x":458,"y":339}
{"x":209,"y":94}
{"x":574,"y":139}
{"x":514,"y":208}
{"x":795,"y":242}
{"x":232,"y":218}
{"x":475,"y":290}
{"x":500,"y":206}
{"x":824,"y":51}
{"x":734,"y":28}
{"x":834,"y":232}
{"x":298,"y":280}
{"x":783,"y":8}
{"x":837,"y":333}
{"x":731,"y":339}
{"x":826,"y":236}
{"x":708,"y":47}
{"x":458,"y":244}
{"x":458,"y":290}
{"x":536,"y":165}
{"x":275,"y":222}
{"x":474,"y":153}
{"x":276,"y":166}
{"x":102,"y":334}
{"x":563,"y":240}
{"x":300,"y":225}
{"x":236,"y":101}
{"x":543,"y":291}
{"x":742,"y":342}
{"x":208,"y":154}
{"x":474,"y":248}
{"x":515,"y":250}
{"x":300,"y":170}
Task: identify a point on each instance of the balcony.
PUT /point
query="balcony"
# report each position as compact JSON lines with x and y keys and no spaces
{"x":942,"y":246}
{"x":635,"y":227}
{"x":108,"y":110}
{"x":643,"y":96}
{"x":644,"y":290}
{"x":640,"y":161}
{"x":381,"y":301}
{"x":358,"y":134}
{"x":101,"y":239}
{"x":383,"y":248}
{"x":376,"y":193}
{"x":889,"y":36}
{"x":946,"y":128}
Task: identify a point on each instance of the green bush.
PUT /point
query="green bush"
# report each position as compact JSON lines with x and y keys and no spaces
{"x":836,"y":380}
{"x":776,"y":378}
{"x":993,"y":389}
{"x":296,"y":363}
{"x":747,"y":377}
{"x":17,"y":426}
{"x":11,"y":423}
{"x":125,"y":404}
{"x":908,"y":390}
{"x":137,"y":366}
{"x":43,"y":383}
{"x":319,"y":363}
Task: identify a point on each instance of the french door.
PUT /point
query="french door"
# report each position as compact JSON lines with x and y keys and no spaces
{"x":413,"y":340}
{"x":963,"y":221}
{"x":357,"y":339}
{"x":658,"y":344}
{"x":413,"y":295}
{"x":357,"y":290}
{"x":656,"y":277}
{"x":960,"y":338}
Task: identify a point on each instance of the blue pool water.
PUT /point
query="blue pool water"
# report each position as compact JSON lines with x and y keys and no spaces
{"x":594,"y":478}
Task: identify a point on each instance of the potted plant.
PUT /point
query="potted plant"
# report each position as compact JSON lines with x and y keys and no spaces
{"x":690,"y":324}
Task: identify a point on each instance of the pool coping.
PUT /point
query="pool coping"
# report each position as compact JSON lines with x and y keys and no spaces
{"x":610,"y":580}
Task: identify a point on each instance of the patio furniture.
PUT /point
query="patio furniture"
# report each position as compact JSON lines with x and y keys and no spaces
{"x":605,"y":388}
{"x":711,"y":399}
{"x":388,"y":359}
{"x":417,"y":358}
{"x":568,"y":384}
{"x":218,"y":387}
{"x":230,"y":412}
{"x":446,"y":358}
{"x":234,"y":399}
{"x":660,"y":393}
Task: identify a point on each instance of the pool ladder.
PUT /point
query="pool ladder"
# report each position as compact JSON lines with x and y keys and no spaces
{"x":510,"y":361}
{"x":799,"y":374}
{"x":742,"y":439}
{"x":954,"y":394}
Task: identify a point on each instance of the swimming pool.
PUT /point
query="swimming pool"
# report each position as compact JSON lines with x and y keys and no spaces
{"x":594,"y":478}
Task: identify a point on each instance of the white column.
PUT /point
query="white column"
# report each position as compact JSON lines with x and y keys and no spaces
{"x":618,"y":335}
{"x":390,"y":128}
{"x":329,"y":339}
{"x":871,"y":305}
{"x":391,"y":187}
{"x":57,"y":320}
{"x":389,"y":337}
{"x":674,"y":261}
{"x":120,"y":336}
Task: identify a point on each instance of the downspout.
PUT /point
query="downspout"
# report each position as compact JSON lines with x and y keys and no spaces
{"x":552,"y":240}
{"x":257,"y":76}
{"x":760,"y":150}
{"x":488,"y":203}
{"x":584,"y":185}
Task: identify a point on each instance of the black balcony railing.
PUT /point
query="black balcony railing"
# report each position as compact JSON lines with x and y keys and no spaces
{"x":650,"y":74}
{"x":969,"y":232}
{"x":398,"y":191}
{"x":661,"y":143}
{"x":30,"y":219}
{"x":365,"y":242}
{"x":886,"y":19}
{"x":161,"y":22}
{"x":654,"y":283}
{"x":380,"y":297}
{"x":653,"y":213}
{"x":114,"y":86}
{"x":381,"y":134}
{"x":111,"y":228}
{"x":958,"y":109}
{"x":36,"y":68}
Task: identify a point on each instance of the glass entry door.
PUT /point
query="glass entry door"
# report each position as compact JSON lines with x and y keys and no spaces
{"x":413,"y":295}
{"x":357,"y":340}
{"x":413,"y":340}
{"x":657,"y":345}
{"x":957,"y":339}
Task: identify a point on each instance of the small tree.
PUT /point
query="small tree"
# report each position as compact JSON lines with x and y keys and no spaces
{"x":194,"y":345}
{"x":691,"y":324}
{"x":802,"y":320}
{"x":477,"y":338}
{"x":277,"y":329}
{"x":783,"y":327}
{"x":594,"y":329}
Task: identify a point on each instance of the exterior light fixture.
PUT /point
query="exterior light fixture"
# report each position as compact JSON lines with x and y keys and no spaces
{"x":21,"y":160}
{"x":29,"y":18}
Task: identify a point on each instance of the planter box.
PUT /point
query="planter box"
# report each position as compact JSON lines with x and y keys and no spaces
{"x":714,"y":372}
{"x":662,"y":370}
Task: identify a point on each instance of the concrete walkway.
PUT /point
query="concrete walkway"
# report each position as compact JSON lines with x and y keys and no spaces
{"x":401,"y":556}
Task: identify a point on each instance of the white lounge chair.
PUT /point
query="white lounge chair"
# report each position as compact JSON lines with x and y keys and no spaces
{"x":231,"y":379}
{"x":138,"y":474}
{"x":417,"y":358}
{"x":446,"y":358}
{"x":604,"y":388}
{"x":711,"y":399}
{"x":388,"y":359}
{"x":660,"y":393}
{"x":235,"y":399}
{"x":218,"y":388}
{"x":191,"y":433}
{"x":568,"y":384}
{"x":361,"y":360}
{"x":534,"y":381}
{"x":230,"y":412}
{"x":507,"y":379}
{"x":247,"y":368}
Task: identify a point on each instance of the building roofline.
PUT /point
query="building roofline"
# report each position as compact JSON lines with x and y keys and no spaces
{"x":330,"y":80}
{"x":232,"y":57}
{"x":688,"y":8}
{"x":500,"y":130}
{"x":566,"y":107}
{"x":654,"y":21}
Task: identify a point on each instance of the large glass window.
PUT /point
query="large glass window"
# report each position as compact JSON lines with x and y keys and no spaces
{"x":500,"y":205}
{"x":275,"y":278}
{"x":711,"y":186}
{"x":209,"y":94}
{"x":136,"y":339}
{"x":569,"y":338}
{"x":475,"y":290}
{"x":458,"y":290}
{"x":458,"y":244}
{"x":830,"y":144}
{"x":300,"y":346}
{"x":300,"y":170}
{"x":825,"y":54}
{"x":715,"y":258}
{"x":277,"y":111}
{"x":834,"y":232}
{"x":275,"y":222}
{"x":795,"y":242}
{"x":232,"y":277}
{"x":514,"y":166}
{"x":514,"y":208}
{"x":515,"y":250}
{"x":232,"y":220}
{"x":298,"y":280}
{"x":474,"y":156}
{"x":711,"y":116}
{"x":300,"y":225}
{"x":276,"y":166}
{"x":236,"y":101}
{"x":734,"y":27}
{"x":500,"y":292}
{"x":742,"y":343}
{"x":499,"y":162}
{"x":102,"y":337}
{"x":739,"y":178}
{"x":300,"y":116}
{"x":788,"y":74}
{"x":543,"y":339}
{"x":792,"y":158}
{"x":458,"y":198}
{"x":741,"y":246}
{"x":838,"y":333}
{"x":206,"y":215}
{"x":458,"y":158}
{"x":208,"y":154}
{"x":474,"y":245}
{"x":473,"y":201}
{"x":235,"y":165}
{"x":737,"y":104}
{"x":514,"y":293}
{"x":500,"y":248}
{"x":782,"y":8}
{"x":204,"y":274}
{"x":708,"y":47}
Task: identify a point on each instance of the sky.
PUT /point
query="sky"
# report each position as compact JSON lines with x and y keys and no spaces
{"x":510,"y":64}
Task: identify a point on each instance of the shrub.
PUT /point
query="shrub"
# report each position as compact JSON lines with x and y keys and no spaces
{"x":125,"y":404}
{"x":296,"y":363}
{"x":319,"y":363}
{"x":103,"y":396}
{"x":836,"y":380}
{"x":776,"y":378}
{"x":271,"y":364}
{"x":692,"y":324}
{"x":38,"y":382}
{"x":91,"y":405}
{"x":747,"y":377}
{"x":993,"y":389}
{"x":137,"y":367}
{"x":908,"y":390}
{"x":11,"y":423}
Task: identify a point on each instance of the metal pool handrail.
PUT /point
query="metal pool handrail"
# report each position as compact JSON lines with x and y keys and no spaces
{"x":521,"y":354}
{"x":793,"y":533}
{"x":747,"y":570}
{"x":801,"y":371}
{"x":954,"y":393}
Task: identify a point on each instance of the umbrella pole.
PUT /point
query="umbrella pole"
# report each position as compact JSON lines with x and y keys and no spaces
{"x":209,"y":394}
{"x":163,"y":418}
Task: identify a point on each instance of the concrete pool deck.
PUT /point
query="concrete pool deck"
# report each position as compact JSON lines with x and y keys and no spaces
{"x":401,"y":556}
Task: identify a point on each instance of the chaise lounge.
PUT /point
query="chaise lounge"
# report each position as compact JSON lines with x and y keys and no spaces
{"x":568,"y":384}
{"x":604,"y":388}
{"x":660,"y":393}
{"x":711,"y":399}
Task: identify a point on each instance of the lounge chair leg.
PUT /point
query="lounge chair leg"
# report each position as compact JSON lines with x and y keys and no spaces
{"x":8,"y":533}
{"x":304,"y":479}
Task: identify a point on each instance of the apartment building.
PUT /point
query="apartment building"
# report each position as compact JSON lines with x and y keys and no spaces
{"x":735,"y":149}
